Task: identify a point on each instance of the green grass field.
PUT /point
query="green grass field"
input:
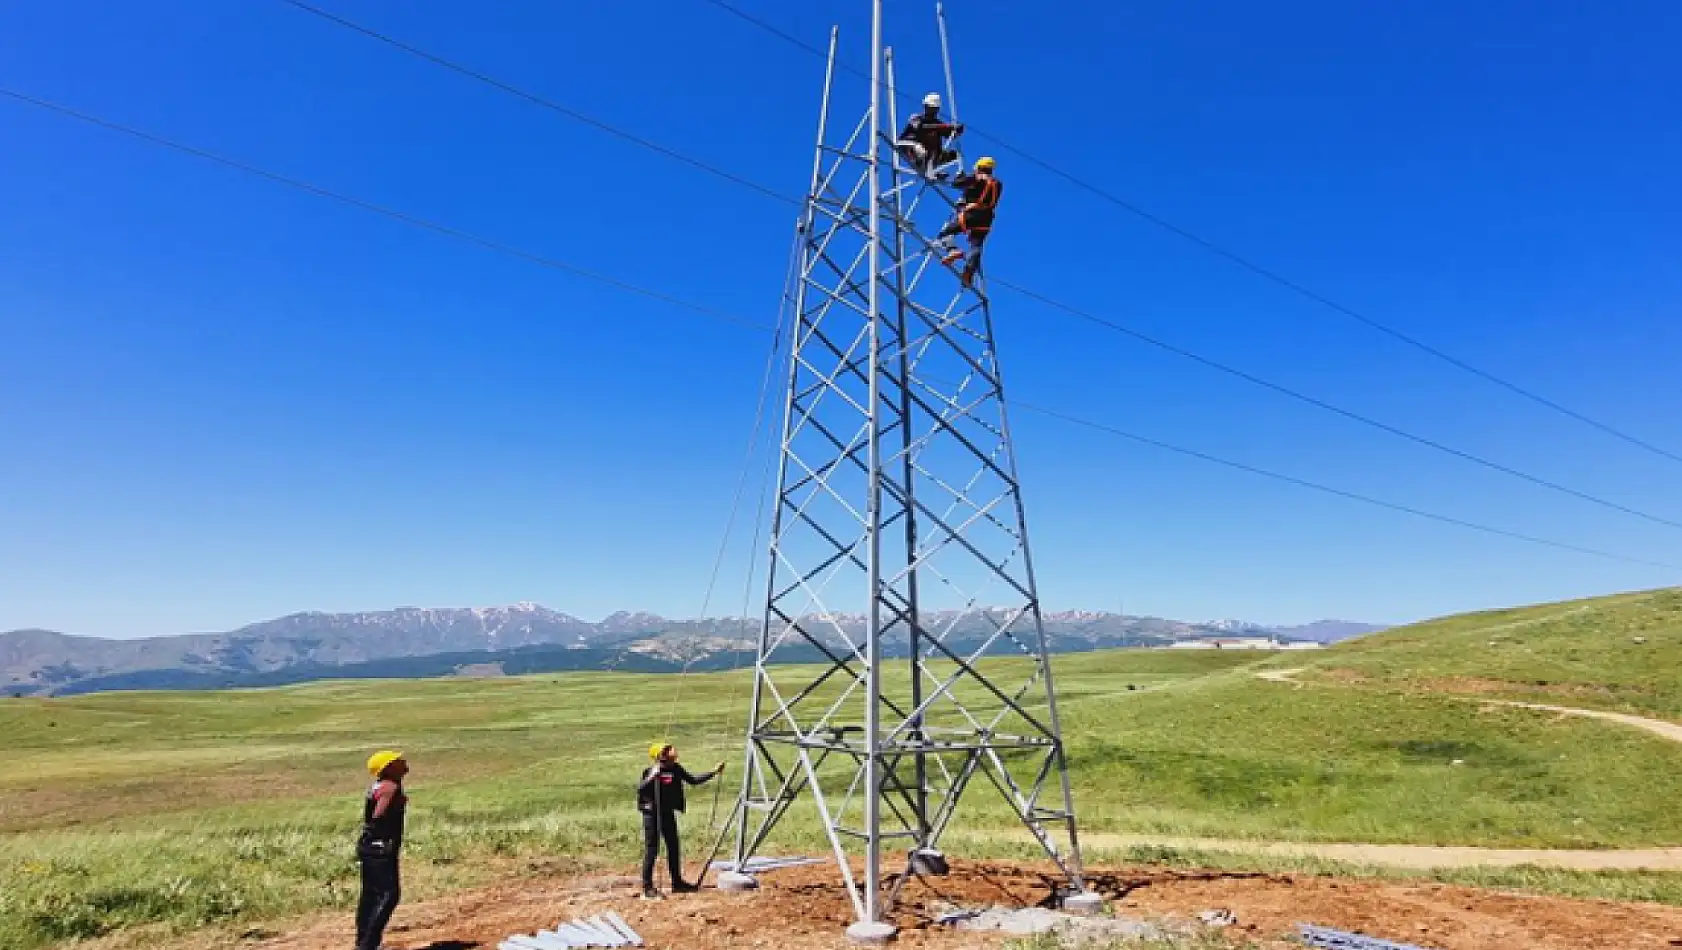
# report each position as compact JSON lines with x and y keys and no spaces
{"x":1619,"y":653}
{"x":143,"y":813}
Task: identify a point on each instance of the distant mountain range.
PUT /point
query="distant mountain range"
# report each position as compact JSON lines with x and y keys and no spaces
{"x":522,"y":638}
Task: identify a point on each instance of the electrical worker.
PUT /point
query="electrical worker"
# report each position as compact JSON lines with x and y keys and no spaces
{"x":974,"y":218}
{"x":378,"y":845}
{"x":923,"y":144}
{"x":660,"y":799}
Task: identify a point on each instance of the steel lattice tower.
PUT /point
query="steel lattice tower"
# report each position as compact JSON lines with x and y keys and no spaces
{"x":899,"y":559}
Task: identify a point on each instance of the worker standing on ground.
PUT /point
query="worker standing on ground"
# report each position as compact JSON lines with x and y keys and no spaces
{"x":378,"y":845}
{"x":974,"y":218}
{"x":660,"y":799}
{"x":923,"y":143}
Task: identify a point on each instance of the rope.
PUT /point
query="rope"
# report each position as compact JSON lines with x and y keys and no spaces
{"x":784,"y":305}
{"x":741,"y":480}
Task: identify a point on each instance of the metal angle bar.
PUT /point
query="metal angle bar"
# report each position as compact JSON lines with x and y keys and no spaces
{"x":849,"y":452}
{"x":969,"y":489}
{"x":601,"y":923}
{"x":942,"y":421}
{"x":842,"y":554}
{"x":1077,"y":873}
{"x":1036,"y":828}
{"x":829,"y":379}
{"x":785,"y":709}
{"x":988,"y":684}
{"x":1021,"y":611}
{"x":598,"y":936}
{"x":1039,"y":782}
{"x":624,"y":928}
{"x":1001,"y":743}
{"x":845,"y":288}
{"x":837,"y":663}
{"x":1328,"y":939}
{"x":814,"y":596}
{"x":865,"y":835}
{"x":568,"y":934}
{"x":1040,"y":667}
{"x":949,"y":807}
{"x":965,"y":543}
{"x":980,"y":513}
{"x":983,"y":457}
{"x":945,"y":687}
{"x":952,"y":408}
{"x":939,"y":329}
{"x":799,"y":511}
{"x":952,"y":625}
{"x":830,"y":830}
{"x":793,"y":783}
{"x":842,"y":664}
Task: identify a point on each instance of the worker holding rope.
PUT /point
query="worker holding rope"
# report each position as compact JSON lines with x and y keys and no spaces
{"x":660,"y":799}
{"x":377,"y":847}
{"x":974,"y":218}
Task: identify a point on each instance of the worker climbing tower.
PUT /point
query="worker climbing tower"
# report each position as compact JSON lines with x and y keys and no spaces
{"x":902,"y":661}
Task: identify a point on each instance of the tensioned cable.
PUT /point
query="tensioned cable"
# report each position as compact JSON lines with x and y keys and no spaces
{"x":791,"y":275}
{"x":1136,"y":335}
{"x":1234,"y":257}
{"x":628,"y":287}
{"x":425,"y":223}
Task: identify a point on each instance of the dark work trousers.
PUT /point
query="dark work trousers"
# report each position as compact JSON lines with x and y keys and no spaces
{"x":975,"y":225}
{"x":380,"y":893}
{"x":656,"y":825}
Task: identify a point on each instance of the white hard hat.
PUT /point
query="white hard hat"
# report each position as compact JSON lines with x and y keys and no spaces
{"x":932,"y":100}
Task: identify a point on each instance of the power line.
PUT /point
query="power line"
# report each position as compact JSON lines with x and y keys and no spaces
{"x":1327,"y":489}
{"x":425,"y":224}
{"x":1234,"y":257}
{"x":1330,"y":407}
{"x":1074,"y":311}
{"x":535,"y":99}
{"x":403,"y":216}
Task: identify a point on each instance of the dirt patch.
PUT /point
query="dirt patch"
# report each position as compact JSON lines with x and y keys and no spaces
{"x":806,"y":909}
{"x":1342,"y":676}
{"x":1431,"y":915}
{"x":1477,"y":686}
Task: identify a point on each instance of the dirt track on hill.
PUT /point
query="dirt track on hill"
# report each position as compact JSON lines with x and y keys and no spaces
{"x":1669,"y":731}
{"x":1420,"y":856}
{"x":806,"y":909}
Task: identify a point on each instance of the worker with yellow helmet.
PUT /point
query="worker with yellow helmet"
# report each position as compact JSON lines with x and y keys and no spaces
{"x":378,"y":845}
{"x":660,"y":799}
{"x":974,"y":219}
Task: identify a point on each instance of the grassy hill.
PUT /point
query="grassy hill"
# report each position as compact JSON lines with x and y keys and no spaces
{"x":1621,"y":653}
{"x":139,"y":811}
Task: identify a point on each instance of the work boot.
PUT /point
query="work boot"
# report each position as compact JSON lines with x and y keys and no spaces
{"x":952,"y":256}
{"x":684,"y":887}
{"x":967,"y":278}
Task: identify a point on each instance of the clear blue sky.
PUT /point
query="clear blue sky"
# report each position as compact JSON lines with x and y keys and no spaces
{"x":223,"y":400}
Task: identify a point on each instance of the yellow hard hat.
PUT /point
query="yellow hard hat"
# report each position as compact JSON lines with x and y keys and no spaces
{"x":379,"y":760}
{"x":657,"y":748}
{"x":984,"y":164}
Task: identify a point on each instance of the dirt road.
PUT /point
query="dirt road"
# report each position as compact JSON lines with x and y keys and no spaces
{"x":1665,"y":730}
{"x":806,"y":909}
